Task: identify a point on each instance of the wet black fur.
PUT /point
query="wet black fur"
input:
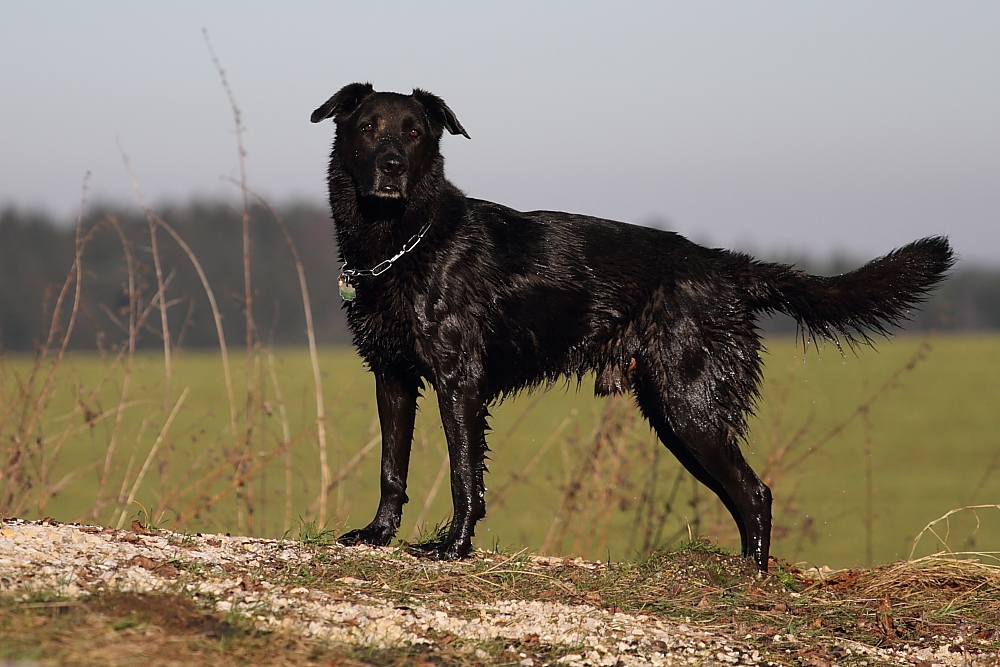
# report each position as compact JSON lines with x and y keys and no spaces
{"x":492,"y":301}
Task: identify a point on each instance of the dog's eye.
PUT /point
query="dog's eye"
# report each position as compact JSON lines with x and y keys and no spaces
{"x":367,"y":127}
{"x":414,"y":133}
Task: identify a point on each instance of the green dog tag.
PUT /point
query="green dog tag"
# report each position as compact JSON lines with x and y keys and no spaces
{"x":347,"y":291}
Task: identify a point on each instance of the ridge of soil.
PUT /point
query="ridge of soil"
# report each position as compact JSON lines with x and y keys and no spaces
{"x":82,"y":595}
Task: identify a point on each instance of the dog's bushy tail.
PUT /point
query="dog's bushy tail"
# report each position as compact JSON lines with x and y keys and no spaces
{"x":853,"y":305}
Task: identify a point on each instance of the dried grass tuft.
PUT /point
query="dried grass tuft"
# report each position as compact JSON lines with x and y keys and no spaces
{"x":943,"y":572}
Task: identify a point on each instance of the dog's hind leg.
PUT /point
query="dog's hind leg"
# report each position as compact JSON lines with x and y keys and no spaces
{"x":710,"y":451}
{"x":397,"y":409}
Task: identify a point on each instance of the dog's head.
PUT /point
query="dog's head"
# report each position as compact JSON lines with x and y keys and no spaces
{"x":387,"y":141}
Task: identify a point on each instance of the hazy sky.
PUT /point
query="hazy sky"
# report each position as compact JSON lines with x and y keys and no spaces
{"x":772,"y":126}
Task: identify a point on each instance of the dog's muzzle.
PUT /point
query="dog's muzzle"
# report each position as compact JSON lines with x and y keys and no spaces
{"x":390,"y":175}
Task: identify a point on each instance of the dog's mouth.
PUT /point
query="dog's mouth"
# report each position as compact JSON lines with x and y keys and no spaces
{"x":385,"y":186}
{"x":388,"y":191}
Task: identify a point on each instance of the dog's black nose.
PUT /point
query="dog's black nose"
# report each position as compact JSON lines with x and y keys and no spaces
{"x":391,"y":164}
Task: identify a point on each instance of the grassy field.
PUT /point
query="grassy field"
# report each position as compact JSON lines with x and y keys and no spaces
{"x":862,"y":452}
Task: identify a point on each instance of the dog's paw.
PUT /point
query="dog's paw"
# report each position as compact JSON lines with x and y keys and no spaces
{"x":441,"y":550}
{"x":371,"y":535}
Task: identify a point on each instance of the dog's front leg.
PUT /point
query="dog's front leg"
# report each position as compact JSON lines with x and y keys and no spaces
{"x":464,"y":415}
{"x":397,"y":409}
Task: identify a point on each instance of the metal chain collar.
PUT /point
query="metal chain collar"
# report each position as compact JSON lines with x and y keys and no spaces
{"x":348,"y":292}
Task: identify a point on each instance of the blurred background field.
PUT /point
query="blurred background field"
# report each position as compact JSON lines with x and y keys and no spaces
{"x":862,"y":451}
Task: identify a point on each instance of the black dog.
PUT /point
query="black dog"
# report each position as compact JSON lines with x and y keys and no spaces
{"x":482,"y":301}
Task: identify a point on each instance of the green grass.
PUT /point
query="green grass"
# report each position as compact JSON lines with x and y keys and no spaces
{"x":934,"y":441}
{"x":934,"y":438}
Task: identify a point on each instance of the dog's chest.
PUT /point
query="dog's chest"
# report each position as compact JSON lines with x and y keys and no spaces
{"x":389,"y":327}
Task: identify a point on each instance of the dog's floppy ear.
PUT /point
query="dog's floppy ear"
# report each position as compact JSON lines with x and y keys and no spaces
{"x":439,"y":112}
{"x":346,"y":100}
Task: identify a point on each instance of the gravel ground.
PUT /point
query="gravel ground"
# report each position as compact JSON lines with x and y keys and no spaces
{"x":72,"y":561}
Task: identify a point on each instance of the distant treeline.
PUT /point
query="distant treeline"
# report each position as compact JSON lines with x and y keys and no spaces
{"x":37,"y":254}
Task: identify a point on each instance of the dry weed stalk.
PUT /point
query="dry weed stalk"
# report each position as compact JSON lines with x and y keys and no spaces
{"x":777,"y":459}
{"x":149,"y":459}
{"x":652,"y":511}
{"x":943,"y":539}
{"x":788,"y":453}
{"x":216,"y":317}
{"x":129,"y":363}
{"x":161,"y":285}
{"x":349,"y":467}
{"x":245,"y":490}
{"x":326,"y":482}
{"x":500,"y":495}
{"x":15,"y":479}
{"x":160,"y":297}
{"x":600,"y":481}
{"x":286,"y":437}
{"x":154,"y":221}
